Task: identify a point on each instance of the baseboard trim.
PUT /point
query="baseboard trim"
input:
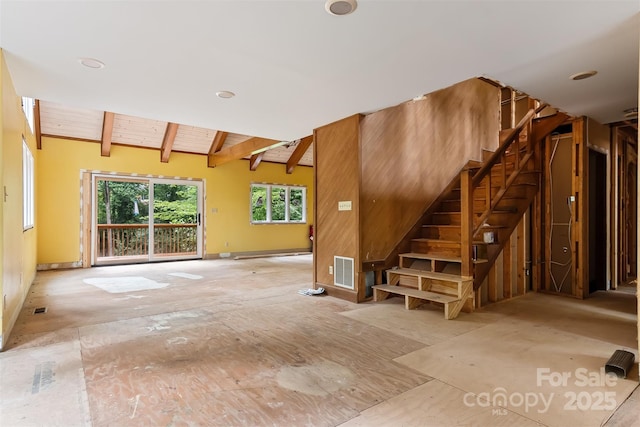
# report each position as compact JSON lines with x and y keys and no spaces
{"x":259,"y":254}
{"x":59,"y":266}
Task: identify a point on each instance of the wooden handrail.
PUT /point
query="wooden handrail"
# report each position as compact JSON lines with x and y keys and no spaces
{"x":508,"y":140}
{"x":470,"y":227}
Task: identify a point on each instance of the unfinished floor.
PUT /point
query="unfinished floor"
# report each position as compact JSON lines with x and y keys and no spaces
{"x":232,"y":343}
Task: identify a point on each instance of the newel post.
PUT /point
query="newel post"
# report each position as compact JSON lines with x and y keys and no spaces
{"x":466,"y":222}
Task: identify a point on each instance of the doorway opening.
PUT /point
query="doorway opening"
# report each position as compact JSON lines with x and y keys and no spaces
{"x":597,"y":221}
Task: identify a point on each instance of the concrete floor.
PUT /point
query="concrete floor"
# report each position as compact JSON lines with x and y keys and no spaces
{"x":232,"y":343}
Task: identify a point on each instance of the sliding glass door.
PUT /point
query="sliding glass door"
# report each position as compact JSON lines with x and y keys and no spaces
{"x":177,"y":220}
{"x":141,"y":220}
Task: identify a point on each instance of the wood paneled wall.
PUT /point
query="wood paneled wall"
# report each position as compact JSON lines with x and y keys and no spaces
{"x":337,"y":178}
{"x":412,"y":151}
{"x":391,"y":165}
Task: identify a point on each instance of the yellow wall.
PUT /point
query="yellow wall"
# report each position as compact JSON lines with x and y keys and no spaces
{"x":226,"y":191}
{"x":18,"y":247}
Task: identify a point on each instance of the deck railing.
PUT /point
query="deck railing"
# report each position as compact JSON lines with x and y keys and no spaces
{"x":122,"y":240}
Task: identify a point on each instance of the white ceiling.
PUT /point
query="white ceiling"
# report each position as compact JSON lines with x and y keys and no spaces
{"x":294,"y":67}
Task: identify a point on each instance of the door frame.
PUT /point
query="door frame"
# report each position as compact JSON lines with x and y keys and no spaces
{"x":89,"y":215}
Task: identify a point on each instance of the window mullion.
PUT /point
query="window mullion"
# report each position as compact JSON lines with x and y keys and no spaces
{"x":268,"y":203}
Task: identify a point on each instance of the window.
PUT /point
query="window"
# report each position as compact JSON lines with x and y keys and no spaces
{"x":278,"y":204}
{"x":27,"y":187}
{"x":28,"y":105}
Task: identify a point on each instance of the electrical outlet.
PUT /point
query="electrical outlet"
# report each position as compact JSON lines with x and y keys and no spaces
{"x":331,"y":269}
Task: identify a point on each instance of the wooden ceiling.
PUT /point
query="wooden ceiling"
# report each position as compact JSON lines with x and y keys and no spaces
{"x":108,"y":128}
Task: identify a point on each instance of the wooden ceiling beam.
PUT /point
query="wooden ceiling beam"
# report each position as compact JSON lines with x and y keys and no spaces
{"x":36,"y":124}
{"x":239,"y":151}
{"x":168,"y":140}
{"x":255,"y":160}
{"x":107,"y":134}
{"x":216,"y":145}
{"x":218,"y":141}
{"x":298,"y":153}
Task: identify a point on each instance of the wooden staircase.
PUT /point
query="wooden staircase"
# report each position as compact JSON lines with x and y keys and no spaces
{"x":467,"y":227}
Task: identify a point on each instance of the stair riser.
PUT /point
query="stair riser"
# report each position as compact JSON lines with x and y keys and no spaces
{"x":496,"y":180}
{"x":441,"y":287}
{"x":436,"y":248}
{"x":446,"y":218}
{"x":444,"y":233}
{"x":479,"y":205}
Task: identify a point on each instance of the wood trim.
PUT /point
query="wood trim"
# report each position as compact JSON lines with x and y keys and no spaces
{"x":167,"y":142}
{"x":315,"y":213}
{"x":492,"y":285}
{"x":466,"y":219}
{"x":107,"y":134}
{"x":86,"y":219}
{"x":298,"y":153}
{"x":36,"y":124}
{"x":71,"y":138}
{"x":239,"y":151}
{"x":544,"y":210}
{"x":255,"y":160}
{"x":521,"y":264}
{"x":507,"y":262}
{"x":581,"y":212}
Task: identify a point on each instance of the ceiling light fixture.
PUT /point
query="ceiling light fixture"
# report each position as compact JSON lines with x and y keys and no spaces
{"x":340,"y":7}
{"x":276,"y":145}
{"x":631,"y":113}
{"x":225,"y":94}
{"x":583,"y":75}
{"x":91,"y":63}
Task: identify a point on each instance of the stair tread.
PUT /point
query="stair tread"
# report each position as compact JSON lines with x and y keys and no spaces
{"x":416,"y":293}
{"x":442,"y":225}
{"x":445,"y":258}
{"x":427,"y":240}
{"x":430,"y":274}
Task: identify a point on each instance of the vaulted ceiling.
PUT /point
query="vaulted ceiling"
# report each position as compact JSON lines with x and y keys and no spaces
{"x":293,"y":67}
{"x":108,"y":128}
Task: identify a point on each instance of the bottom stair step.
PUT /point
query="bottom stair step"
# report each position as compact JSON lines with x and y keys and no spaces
{"x":413,"y":298}
{"x":425,"y":295}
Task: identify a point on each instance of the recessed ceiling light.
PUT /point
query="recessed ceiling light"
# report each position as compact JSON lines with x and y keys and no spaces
{"x":225,"y":94}
{"x":91,"y":63}
{"x":583,"y":75}
{"x":340,"y":7}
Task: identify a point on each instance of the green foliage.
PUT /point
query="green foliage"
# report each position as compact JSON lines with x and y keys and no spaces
{"x":278,"y":203}
{"x":173,"y":204}
{"x":295,"y":205}
{"x":122,"y":198}
{"x":258,"y":203}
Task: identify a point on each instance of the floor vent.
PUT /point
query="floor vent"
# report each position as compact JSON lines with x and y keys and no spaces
{"x":343,"y":272}
{"x":40,"y":310}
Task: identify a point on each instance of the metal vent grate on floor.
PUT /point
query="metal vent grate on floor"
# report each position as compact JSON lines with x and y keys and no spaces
{"x":39,"y":310}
